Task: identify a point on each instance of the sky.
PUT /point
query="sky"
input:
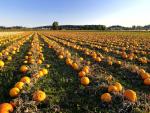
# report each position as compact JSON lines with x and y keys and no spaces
{"x":32,"y":13}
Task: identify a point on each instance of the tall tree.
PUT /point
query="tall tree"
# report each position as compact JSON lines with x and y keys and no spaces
{"x":55,"y":25}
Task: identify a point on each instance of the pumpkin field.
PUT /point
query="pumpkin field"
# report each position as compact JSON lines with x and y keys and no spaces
{"x":75,"y":72}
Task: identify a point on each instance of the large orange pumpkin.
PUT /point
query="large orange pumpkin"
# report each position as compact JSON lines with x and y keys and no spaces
{"x":85,"y":81}
{"x":130,"y":95}
{"x":6,"y":108}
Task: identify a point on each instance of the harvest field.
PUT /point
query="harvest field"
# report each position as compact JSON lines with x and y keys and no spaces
{"x":74,"y":72}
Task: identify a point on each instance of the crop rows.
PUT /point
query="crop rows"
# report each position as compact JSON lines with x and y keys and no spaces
{"x":77,"y":72}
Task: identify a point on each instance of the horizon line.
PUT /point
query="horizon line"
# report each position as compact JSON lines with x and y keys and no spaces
{"x":73,"y":25}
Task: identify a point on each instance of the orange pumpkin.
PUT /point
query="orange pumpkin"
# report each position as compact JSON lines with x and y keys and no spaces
{"x":106,"y":97}
{"x":141,"y":71}
{"x":147,"y":81}
{"x":69,"y":61}
{"x":112,"y":88}
{"x":86,"y":69}
{"x":6,"y":108}
{"x":39,"y":61}
{"x":81,"y":74}
{"x":145,"y":75}
{"x":39,"y":96}
{"x":85,"y":81}
{"x":119,"y":86}
{"x":45,"y":71}
{"x":24,"y":68}
{"x":130,"y":95}
{"x":75,"y":66}
{"x":25,"y":79}
{"x":98,"y":59}
{"x":40,"y":73}
{"x":19,"y":85}
{"x":14,"y":92}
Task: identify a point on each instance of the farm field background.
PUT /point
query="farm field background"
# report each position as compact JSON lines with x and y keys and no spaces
{"x":74,"y":72}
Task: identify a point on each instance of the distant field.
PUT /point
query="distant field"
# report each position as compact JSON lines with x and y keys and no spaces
{"x":75,"y":72}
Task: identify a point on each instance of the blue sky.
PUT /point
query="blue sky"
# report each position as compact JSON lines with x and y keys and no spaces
{"x":43,"y":12}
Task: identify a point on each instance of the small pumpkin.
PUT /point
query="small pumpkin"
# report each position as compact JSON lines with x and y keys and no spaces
{"x":19,"y":85}
{"x":25,"y":79}
{"x":40,"y":73}
{"x":75,"y":66}
{"x":86,"y":69}
{"x":119,"y":86}
{"x":45,"y":71}
{"x":81,"y":74}
{"x":147,"y":81}
{"x":69,"y":61}
{"x":39,"y":61}
{"x":24,"y":68}
{"x":39,"y":96}
{"x":145,"y":75}
{"x":1,"y":64}
{"x":60,"y":56}
{"x":106,"y":97}
{"x":112,"y":88}
{"x":14,"y":92}
{"x":141,"y":71}
{"x":98,"y":59}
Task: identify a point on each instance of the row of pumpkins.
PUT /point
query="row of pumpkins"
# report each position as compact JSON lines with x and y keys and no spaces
{"x":25,"y":80}
{"x":115,"y":42}
{"x":116,"y":48}
{"x":84,"y":80}
{"x":110,"y":60}
{"x":9,"y":39}
{"x":7,"y":53}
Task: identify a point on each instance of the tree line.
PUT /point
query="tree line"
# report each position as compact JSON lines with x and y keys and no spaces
{"x":55,"y":26}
